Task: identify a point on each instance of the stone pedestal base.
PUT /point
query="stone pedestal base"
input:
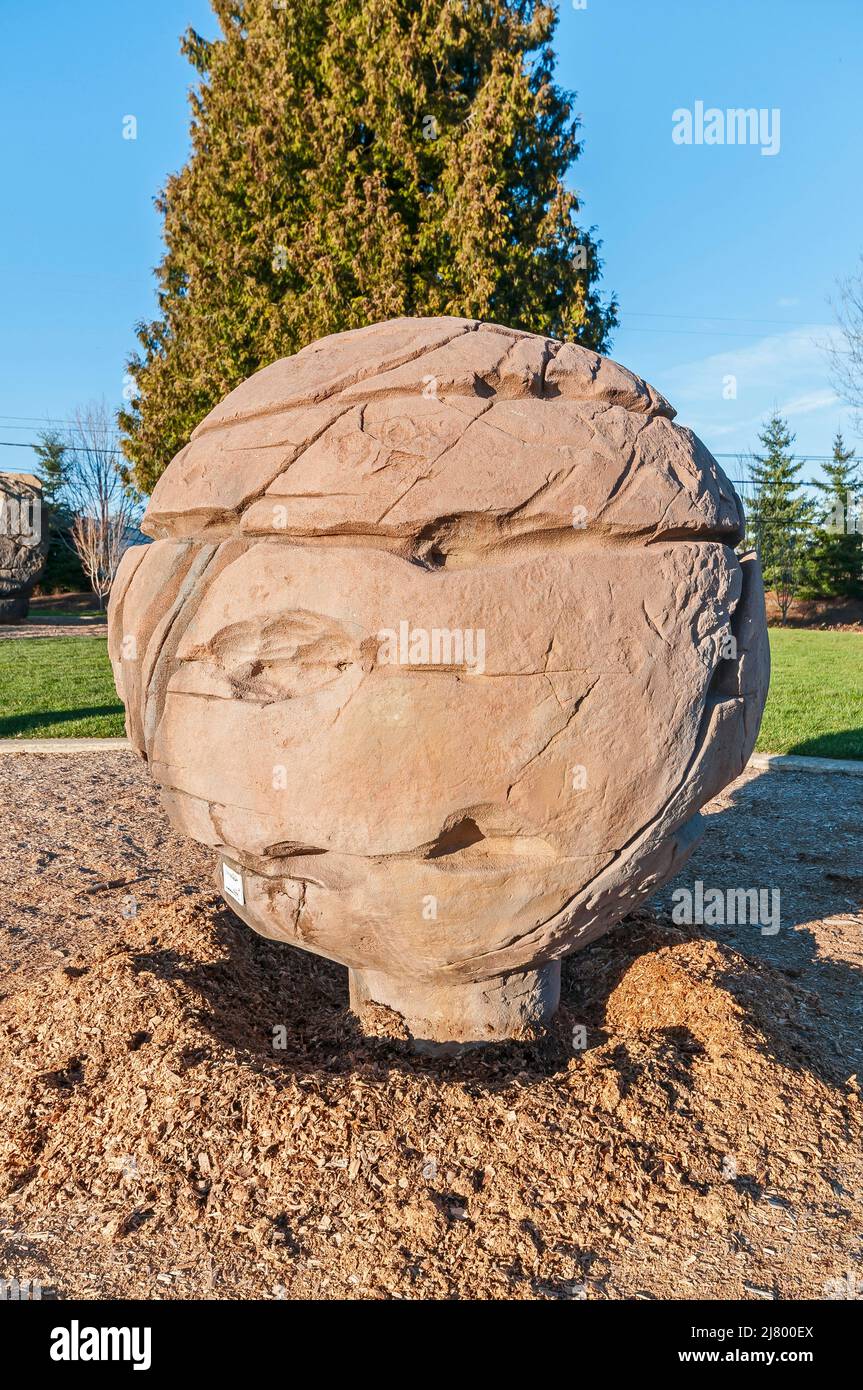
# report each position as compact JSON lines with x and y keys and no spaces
{"x":448,"y":1018}
{"x":14,"y":602}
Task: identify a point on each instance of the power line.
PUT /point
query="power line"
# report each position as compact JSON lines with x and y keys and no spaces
{"x":6,"y":423}
{"x":39,"y":419}
{"x":795,"y":458}
{"x":698,"y":333}
{"x":114,"y":434}
{"x":73,"y":448}
{"x":720,"y":318}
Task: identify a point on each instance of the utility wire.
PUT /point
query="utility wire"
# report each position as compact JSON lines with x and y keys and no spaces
{"x":73,"y":448}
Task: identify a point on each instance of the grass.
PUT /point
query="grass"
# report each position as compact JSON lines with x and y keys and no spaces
{"x":815,"y":705}
{"x":57,"y":687}
{"x":53,"y":687}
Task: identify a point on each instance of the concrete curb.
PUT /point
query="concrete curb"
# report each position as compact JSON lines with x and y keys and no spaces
{"x":65,"y":745}
{"x":790,"y":762}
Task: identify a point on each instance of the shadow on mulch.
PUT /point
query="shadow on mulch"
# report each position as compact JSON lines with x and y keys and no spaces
{"x":259,"y":985}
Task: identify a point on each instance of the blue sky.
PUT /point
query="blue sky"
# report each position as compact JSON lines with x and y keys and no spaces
{"x":724,"y":259}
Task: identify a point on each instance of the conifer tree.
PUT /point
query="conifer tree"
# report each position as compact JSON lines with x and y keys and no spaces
{"x":837,"y":551}
{"x":63,"y":570}
{"x":779,"y":518}
{"x":351,"y":161}
{"x":51,"y":468}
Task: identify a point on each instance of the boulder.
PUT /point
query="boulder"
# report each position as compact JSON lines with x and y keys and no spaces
{"x":23,"y":543}
{"x":442,"y":642}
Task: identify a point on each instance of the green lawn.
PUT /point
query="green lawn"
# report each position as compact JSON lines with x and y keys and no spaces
{"x":57,"y":687}
{"x":54,"y":687}
{"x":815,"y":705}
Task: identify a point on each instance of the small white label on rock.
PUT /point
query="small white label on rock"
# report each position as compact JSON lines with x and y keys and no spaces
{"x":233,"y":881}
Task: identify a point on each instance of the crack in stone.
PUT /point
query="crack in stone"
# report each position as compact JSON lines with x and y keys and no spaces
{"x":557,"y":734}
{"x":322,"y":395}
{"x":433,"y":463}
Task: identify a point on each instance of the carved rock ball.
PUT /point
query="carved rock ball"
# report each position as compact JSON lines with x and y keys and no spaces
{"x":441,"y":645}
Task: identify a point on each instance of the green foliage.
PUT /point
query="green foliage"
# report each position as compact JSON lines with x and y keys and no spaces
{"x":836,"y":556}
{"x":779,"y":519}
{"x":353,"y":161}
{"x":52,"y":468}
{"x":63,"y":570}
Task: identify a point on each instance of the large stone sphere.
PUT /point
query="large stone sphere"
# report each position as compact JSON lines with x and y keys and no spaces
{"x":441,"y":645}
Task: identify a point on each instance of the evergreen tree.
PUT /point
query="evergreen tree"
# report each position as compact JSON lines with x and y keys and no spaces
{"x":351,"y":161}
{"x":51,"y":468}
{"x":63,"y":571}
{"x":837,"y":551}
{"x":779,"y":518}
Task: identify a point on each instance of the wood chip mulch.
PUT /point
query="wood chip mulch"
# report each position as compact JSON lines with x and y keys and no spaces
{"x":156,"y":1144}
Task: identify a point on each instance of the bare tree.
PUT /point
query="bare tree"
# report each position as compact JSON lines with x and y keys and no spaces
{"x":105,"y":509}
{"x":788,"y":573}
{"x":846,"y":358}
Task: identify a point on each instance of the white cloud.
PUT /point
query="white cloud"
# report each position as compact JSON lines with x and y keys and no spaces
{"x":815,"y":400}
{"x":788,"y":372}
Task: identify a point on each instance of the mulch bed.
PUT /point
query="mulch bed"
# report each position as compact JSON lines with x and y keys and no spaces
{"x":156,"y":1143}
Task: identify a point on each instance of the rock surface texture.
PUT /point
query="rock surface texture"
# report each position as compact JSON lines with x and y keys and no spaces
{"x":441,"y":645}
{"x":23,"y":543}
